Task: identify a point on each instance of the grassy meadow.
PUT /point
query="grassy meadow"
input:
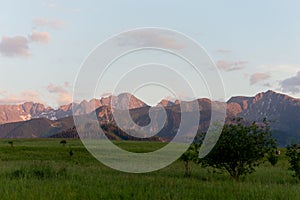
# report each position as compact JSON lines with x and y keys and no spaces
{"x":43,"y":169}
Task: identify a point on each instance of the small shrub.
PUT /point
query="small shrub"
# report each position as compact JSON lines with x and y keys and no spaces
{"x":43,"y":172}
{"x":19,"y":173}
{"x":71,"y":153}
{"x":38,"y":172}
{"x":63,"y":142}
{"x":11,"y":143}
{"x":272,"y":158}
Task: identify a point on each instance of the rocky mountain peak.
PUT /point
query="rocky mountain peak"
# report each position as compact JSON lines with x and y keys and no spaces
{"x":166,"y":102}
{"x":126,"y":100}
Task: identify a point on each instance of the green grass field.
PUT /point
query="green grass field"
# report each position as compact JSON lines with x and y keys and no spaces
{"x":43,"y":169}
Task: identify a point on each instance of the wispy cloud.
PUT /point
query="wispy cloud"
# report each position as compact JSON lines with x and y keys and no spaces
{"x":268,"y":85}
{"x":146,"y":38}
{"x":61,"y":93}
{"x":258,"y":77}
{"x":56,"y":94}
{"x":54,"y":24}
{"x":51,"y":5}
{"x":54,"y":6}
{"x":25,"y":96}
{"x":231,"y":65}
{"x":224,"y":51}
{"x":291,"y":84}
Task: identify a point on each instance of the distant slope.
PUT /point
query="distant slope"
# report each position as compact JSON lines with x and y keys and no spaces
{"x":281,"y":110}
{"x":111,"y":131}
{"x":35,"y":128}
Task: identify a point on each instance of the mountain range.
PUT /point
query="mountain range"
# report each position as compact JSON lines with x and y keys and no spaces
{"x":36,"y":120}
{"x":30,"y":110}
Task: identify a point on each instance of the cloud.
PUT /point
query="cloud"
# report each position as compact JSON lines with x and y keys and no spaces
{"x":19,"y":45}
{"x":286,"y":68}
{"x":54,"y":24}
{"x":31,"y":96}
{"x":51,"y":5}
{"x":231,"y":65}
{"x":291,"y":84}
{"x":10,"y":101}
{"x":267,"y":85}
{"x":42,"y":37}
{"x":14,"y":46}
{"x":61,"y":93}
{"x":64,"y":98}
{"x":258,"y":77}
{"x":57,"y":7}
{"x":146,"y":38}
{"x":224,"y":51}
{"x":7,"y":98}
{"x":105,"y":94}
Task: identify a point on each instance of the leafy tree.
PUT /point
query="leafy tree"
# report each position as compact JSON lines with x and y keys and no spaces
{"x":293,"y":152}
{"x":240,"y":148}
{"x":192,"y":154}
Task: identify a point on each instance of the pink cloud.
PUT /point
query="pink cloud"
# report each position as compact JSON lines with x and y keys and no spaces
{"x":64,"y":98}
{"x":31,"y":96}
{"x":14,"y":46}
{"x":19,"y":45}
{"x":61,"y":93}
{"x":42,"y":37}
{"x":231,"y":65}
{"x":25,"y":96}
{"x":258,"y":77}
{"x":146,"y":38}
{"x":55,"y":24}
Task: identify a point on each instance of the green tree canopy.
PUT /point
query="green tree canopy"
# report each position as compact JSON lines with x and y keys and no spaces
{"x":241,"y":148}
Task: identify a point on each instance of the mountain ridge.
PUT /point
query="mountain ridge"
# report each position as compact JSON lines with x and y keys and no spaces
{"x":281,"y":110}
{"x":31,"y":110}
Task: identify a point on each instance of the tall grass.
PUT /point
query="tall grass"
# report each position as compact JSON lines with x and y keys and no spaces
{"x":43,"y":169}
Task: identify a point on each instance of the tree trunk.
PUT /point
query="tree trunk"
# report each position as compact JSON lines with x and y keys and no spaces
{"x":187,"y":169}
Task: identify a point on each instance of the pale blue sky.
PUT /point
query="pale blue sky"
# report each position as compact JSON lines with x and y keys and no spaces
{"x":261,"y":38}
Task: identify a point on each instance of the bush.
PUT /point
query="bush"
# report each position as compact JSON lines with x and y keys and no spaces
{"x":63,"y":142}
{"x":293,"y":153}
{"x":272,"y":158}
{"x":38,"y":172}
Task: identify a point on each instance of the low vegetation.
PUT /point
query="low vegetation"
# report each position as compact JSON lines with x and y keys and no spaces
{"x":43,"y":169}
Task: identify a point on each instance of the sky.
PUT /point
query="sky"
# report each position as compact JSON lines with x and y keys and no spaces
{"x":43,"y":44}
